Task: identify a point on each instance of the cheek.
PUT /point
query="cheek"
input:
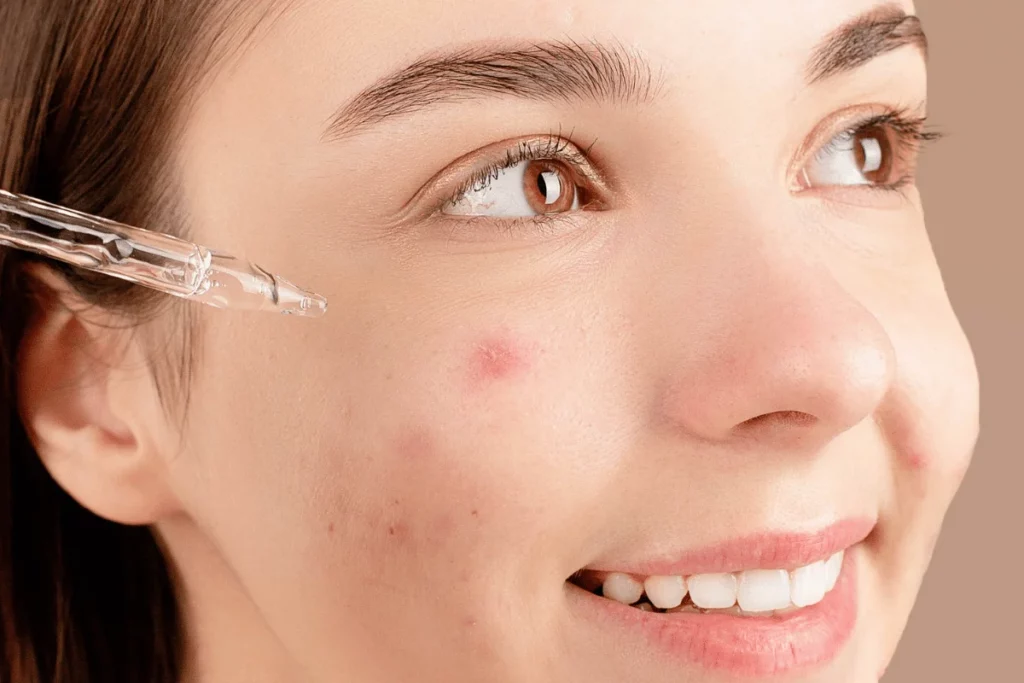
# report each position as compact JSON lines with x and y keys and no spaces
{"x":497,"y":357}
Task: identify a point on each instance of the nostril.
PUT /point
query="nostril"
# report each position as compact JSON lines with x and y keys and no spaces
{"x":787,"y":418}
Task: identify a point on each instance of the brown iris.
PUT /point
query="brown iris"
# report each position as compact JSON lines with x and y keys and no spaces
{"x":549,"y":186}
{"x":873,"y":150}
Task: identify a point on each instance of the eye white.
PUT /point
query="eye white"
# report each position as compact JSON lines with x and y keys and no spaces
{"x":504,"y":195}
{"x":836,"y":163}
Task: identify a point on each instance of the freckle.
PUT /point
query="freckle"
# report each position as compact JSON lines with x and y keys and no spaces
{"x":398,"y":530}
{"x":496,"y":358}
{"x":330,"y":528}
{"x":475,"y":513}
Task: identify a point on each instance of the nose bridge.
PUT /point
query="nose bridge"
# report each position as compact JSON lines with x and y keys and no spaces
{"x":765,"y":341}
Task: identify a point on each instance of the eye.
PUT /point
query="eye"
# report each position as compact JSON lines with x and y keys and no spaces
{"x":533,"y":180}
{"x":879,"y":153}
{"x":528,"y":188}
{"x":859,"y":157}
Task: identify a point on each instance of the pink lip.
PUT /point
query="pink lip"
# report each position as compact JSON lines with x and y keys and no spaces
{"x":760,"y":551}
{"x":742,"y":647}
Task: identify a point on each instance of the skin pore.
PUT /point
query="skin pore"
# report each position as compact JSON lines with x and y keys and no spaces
{"x":708,"y":347}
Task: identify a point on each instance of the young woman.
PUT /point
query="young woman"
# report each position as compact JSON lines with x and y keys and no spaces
{"x":637,"y":364}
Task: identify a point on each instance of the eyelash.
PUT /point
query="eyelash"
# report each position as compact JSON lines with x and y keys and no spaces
{"x":910,"y":136}
{"x":553,"y":147}
{"x":907,"y":130}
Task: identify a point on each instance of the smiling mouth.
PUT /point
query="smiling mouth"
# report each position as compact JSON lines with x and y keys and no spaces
{"x":763,"y":605}
{"x":754,"y":592}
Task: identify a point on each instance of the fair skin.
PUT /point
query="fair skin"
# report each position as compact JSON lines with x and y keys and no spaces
{"x":399,"y":490}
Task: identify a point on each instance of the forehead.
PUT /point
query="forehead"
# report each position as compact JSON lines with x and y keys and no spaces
{"x":384,"y":34}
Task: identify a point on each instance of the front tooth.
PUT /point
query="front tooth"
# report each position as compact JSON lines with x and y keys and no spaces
{"x":834,"y":566}
{"x":622,"y":588}
{"x":665,"y":592}
{"x":763,"y":590}
{"x":712,"y":591}
{"x":809,"y":584}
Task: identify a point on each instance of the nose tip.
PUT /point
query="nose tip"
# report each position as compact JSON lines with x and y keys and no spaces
{"x":809,"y":366}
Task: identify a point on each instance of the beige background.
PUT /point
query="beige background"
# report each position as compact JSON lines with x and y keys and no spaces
{"x":967,"y":625}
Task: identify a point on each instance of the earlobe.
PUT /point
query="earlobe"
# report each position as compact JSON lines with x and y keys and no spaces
{"x":86,"y":396}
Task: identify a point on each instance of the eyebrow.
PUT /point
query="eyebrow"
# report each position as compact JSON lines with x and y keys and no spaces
{"x":556,"y":71}
{"x":571,"y":71}
{"x":863,"y":39}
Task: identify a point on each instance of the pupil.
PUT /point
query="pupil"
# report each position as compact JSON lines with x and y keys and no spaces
{"x":542,"y":185}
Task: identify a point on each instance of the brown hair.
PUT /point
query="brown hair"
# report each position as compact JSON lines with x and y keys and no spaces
{"x":90,"y":91}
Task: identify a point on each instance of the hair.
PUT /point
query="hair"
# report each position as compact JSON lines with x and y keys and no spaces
{"x":90,"y":94}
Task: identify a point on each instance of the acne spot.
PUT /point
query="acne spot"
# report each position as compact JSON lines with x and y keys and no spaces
{"x":917,"y":460}
{"x":495,"y":358}
{"x":330,"y":528}
{"x":398,"y":530}
{"x":415,"y":444}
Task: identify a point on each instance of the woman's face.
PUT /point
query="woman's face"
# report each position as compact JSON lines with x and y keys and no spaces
{"x":616,"y":287}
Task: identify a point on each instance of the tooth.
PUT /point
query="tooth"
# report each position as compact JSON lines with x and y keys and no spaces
{"x":712,"y":591}
{"x":808,"y":584}
{"x":834,"y":566}
{"x":623,"y":588}
{"x":763,"y":590}
{"x":665,"y":592}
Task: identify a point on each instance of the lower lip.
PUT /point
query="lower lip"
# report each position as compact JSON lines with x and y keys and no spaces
{"x":749,"y":647}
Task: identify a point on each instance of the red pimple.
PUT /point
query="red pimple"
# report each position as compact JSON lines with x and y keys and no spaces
{"x":496,"y":358}
{"x":917,"y":460}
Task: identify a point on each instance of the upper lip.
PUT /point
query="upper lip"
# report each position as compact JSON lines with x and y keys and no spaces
{"x":767,"y":550}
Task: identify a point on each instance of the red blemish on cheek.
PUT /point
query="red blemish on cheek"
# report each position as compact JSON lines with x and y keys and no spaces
{"x":415,"y":443}
{"x":496,"y":358}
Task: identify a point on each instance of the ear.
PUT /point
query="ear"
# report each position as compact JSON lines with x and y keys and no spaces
{"x":91,"y":407}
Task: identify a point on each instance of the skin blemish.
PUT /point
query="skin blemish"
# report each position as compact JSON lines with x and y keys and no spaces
{"x":415,"y":443}
{"x":917,"y":460}
{"x":496,"y":358}
{"x":330,"y":528}
{"x":398,"y":530}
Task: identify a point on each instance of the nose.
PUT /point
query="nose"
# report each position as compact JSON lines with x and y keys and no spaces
{"x":775,"y":349}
